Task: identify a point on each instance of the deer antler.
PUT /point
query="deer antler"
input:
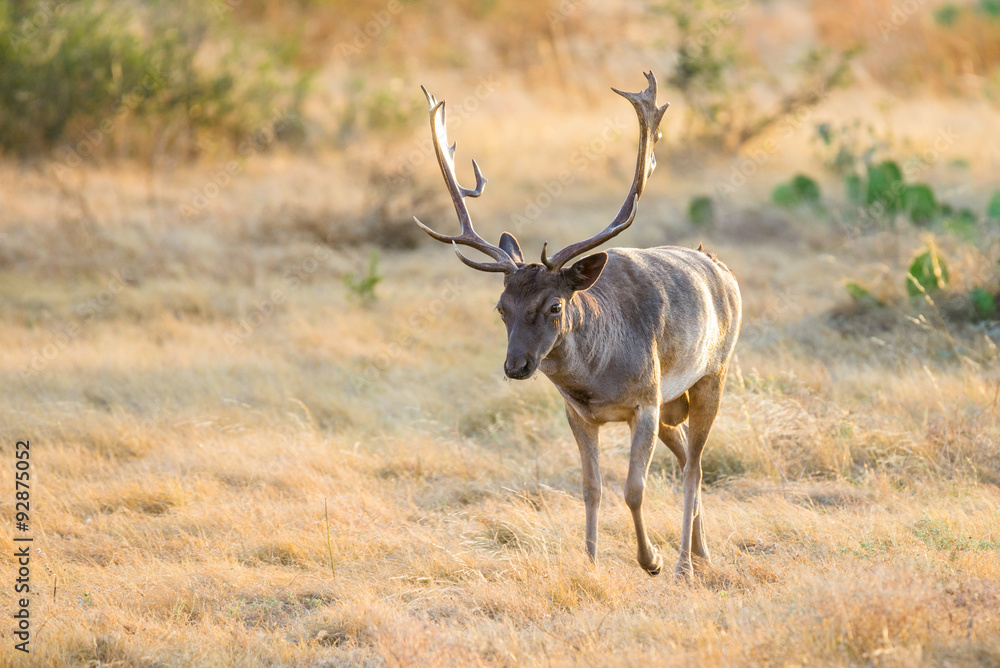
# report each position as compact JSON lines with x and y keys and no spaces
{"x":649,"y":122}
{"x":468,"y":237}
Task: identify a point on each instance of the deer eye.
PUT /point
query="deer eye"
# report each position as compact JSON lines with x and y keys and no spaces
{"x":500,"y":311}
{"x":556,"y":308}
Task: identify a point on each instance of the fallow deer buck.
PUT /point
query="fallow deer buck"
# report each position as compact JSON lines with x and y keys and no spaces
{"x":642,"y":336}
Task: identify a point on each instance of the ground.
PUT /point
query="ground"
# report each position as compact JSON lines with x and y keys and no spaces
{"x":242,"y":455}
{"x":238,"y":460}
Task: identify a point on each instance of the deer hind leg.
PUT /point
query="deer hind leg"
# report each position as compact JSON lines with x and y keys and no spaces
{"x":704,"y":397}
{"x":588,"y":440}
{"x":675,"y":436}
{"x":644,"y":429}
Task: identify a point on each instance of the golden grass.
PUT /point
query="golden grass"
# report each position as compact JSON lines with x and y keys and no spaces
{"x":235,"y":462}
{"x":181,"y":474}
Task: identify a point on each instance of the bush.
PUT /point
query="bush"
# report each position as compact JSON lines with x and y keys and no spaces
{"x":928,"y":273}
{"x":861,"y":295}
{"x":962,"y":224}
{"x":800,"y":190}
{"x":919,"y":204}
{"x":84,"y":71}
{"x":701,"y":211}
{"x":983,"y":304}
{"x":993,"y":208}
{"x":885,"y":186}
{"x":362,"y":287}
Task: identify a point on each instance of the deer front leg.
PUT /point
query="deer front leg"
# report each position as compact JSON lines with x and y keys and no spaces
{"x":645,"y":426}
{"x":588,"y":440}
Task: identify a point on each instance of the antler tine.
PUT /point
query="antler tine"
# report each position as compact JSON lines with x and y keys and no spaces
{"x":649,"y":122}
{"x":446,"y":160}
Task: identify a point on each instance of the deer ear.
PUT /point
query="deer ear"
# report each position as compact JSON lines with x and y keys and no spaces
{"x":509,"y":244}
{"x":584,"y":273}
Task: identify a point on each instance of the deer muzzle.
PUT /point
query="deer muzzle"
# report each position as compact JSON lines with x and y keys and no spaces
{"x":519,"y":368}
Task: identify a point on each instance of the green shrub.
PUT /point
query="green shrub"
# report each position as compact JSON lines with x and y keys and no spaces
{"x":861,"y":295}
{"x":928,"y":273}
{"x":962,"y":224}
{"x":855,"y":189}
{"x":919,"y":203}
{"x":701,"y":211}
{"x":946,"y":15}
{"x":784,"y":195}
{"x":993,"y":208}
{"x":81,"y":72}
{"x":885,"y":186}
{"x":363,"y":287}
{"x":800,"y":190}
{"x":983,"y":303}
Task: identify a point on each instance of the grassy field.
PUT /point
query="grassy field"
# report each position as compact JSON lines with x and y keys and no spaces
{"x":214,"y":433}
{"x":239,"y":459}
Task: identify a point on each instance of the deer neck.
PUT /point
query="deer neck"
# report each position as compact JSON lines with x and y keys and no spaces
{"x":585,"y":347}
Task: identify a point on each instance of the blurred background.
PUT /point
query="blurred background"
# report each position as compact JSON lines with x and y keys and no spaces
{"x":304,"y":119}
{"x":216,"y":313}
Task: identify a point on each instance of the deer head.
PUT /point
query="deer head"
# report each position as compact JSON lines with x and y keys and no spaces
{"x":537,"y":296}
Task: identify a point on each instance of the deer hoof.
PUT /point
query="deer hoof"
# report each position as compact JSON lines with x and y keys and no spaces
{"x":656,"y":566}
{"x":683,"y":572}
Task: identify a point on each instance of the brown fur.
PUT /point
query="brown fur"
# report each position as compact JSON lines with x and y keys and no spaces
{"x":637,"y":336}
{"x":648,"y":344}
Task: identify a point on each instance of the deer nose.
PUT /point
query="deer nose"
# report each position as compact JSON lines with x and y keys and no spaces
{"x":517,"y":370}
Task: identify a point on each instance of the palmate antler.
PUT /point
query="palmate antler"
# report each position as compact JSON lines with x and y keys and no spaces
{"x":468,"y":237}
{"x":649,"y":123}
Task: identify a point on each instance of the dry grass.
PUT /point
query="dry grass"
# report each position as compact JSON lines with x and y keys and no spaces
{"x":237,"y":462}
{"x":181,"y":473}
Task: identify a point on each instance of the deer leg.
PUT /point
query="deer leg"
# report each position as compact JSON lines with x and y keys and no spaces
{"x":588,"y":440}
{"x":675,"y":436}
{"x":705,"y":396}
{"x":644,"y":430}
